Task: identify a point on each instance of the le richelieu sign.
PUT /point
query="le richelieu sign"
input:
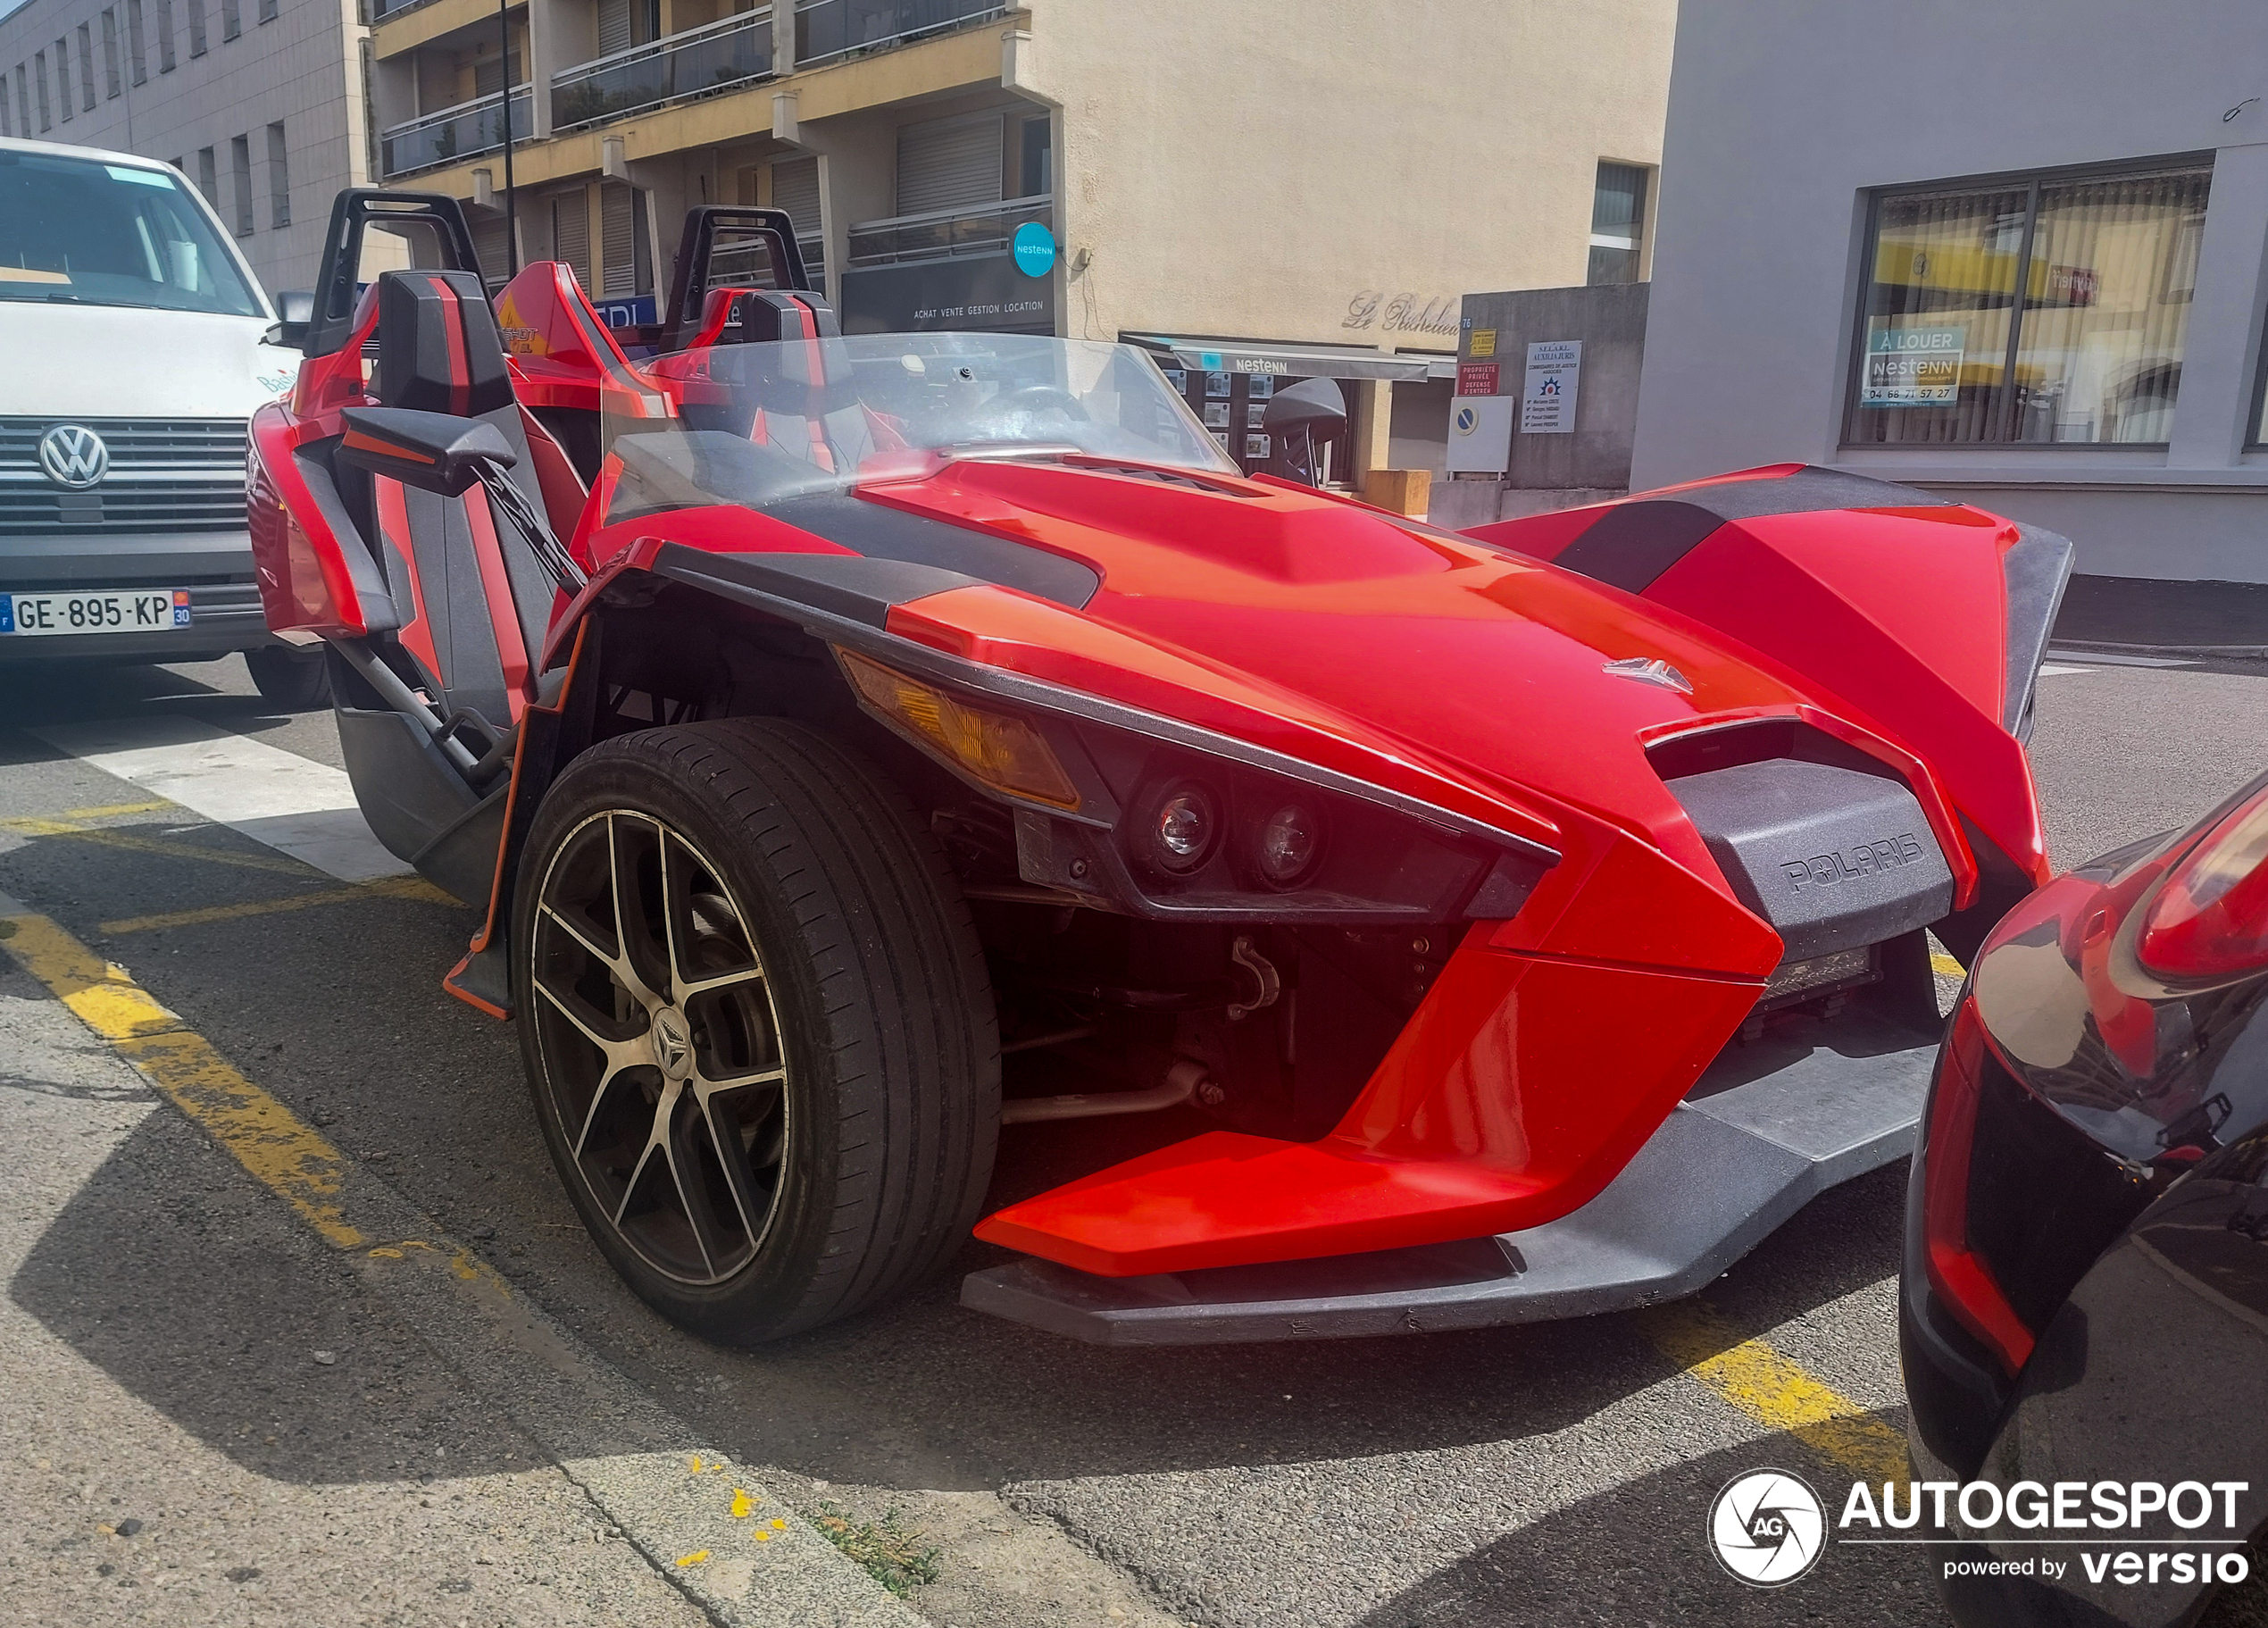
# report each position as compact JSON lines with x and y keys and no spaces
{"x":1375,"y":310}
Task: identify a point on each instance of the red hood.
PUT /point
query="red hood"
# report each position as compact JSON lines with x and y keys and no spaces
{"x":1445,"y":652}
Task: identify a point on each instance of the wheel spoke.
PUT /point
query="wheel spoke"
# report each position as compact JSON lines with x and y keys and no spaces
{"x":629,"y":918}
{"x":692,"y":1195}
{"x":574,"y":1011}
{"x":574,"y":929}
{"x":723,"y":980}
{"x":740,"y":1169}
{"x":630,"y":1188}
{"x":708,"y":1087}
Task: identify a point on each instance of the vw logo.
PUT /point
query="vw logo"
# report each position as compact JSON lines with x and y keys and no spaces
{"x":1767,"y":1528}
{"x":74,"y":455}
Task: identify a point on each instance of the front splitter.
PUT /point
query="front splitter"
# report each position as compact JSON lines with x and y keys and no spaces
{"x":1771,"y":1126}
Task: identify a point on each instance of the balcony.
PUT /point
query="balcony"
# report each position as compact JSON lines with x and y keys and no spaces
{"x":731,"y":51}
{"x":463,"y":131}
{"x":945,"y":233}
{"x":829,"y":31}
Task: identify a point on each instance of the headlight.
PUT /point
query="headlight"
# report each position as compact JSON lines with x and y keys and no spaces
{"x":1182,"y":829}
{"x":1288,"y":844}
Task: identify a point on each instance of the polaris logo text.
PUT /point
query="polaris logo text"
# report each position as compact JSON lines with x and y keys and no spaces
{"x":1867,"y":859}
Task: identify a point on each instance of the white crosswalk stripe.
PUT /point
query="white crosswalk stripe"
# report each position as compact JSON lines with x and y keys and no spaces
{"x":296,"y":805}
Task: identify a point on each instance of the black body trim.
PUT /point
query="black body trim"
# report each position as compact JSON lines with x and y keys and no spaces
{"x":2037,"y":571}
{"x":1633,"y":543}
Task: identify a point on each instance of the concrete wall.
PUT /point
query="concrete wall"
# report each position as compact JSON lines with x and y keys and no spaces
{"x":1285,"y":172}
{"x":1782,"y":115}
{"x":299,"y":68}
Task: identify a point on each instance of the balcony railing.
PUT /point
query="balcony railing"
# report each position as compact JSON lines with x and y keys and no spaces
{"x":747,"y":264}
{"x":716,"y":56}
{"x":463,"y":131}
{"x":827,"y":29}
{"x":387,"y":8}
{"x":946,"y":232}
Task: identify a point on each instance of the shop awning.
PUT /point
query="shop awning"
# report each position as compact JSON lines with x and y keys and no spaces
{"x":1295,"y":360}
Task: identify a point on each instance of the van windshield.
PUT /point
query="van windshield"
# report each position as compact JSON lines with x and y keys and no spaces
{"x":78,"y":231}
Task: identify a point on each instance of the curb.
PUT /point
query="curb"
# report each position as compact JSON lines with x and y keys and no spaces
{"x":713,"y":1531}
{"x":2096,"y":646}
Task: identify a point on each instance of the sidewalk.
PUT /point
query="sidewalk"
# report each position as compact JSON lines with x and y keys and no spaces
{"x":214,"y":1417}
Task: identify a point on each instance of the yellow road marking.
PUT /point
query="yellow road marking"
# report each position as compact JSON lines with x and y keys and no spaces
{"x":393,"y":887}
{"x":158,"y":845}
{"x":1945,"y":966}
{"x":285,"y":1155}
{"x":1776,"y":1391}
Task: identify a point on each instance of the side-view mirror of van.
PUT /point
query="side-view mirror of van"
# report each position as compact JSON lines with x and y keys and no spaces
{"x":296,"y":308}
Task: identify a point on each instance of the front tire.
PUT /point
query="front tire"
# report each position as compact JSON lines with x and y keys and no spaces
{"x":757,"y":1022}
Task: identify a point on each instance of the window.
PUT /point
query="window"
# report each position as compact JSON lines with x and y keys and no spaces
{"x":279,"y":178}
{"x":208,"y":181}
{"x":231,"y":18}
{"x":86,"y":67}
{"x":165,"y":36}
{"x":40,"y":73}
{"x":7,"y":126}
{"x":23,"y":103}
{"x":137,"y":64}
{"x":267,"y":11}
{"x":240,"y":181}
{"x":111,"y":86}
{"x":197,"y":28}
{"x":1037,"y":176}
{"x":1948,"y":353}
{"x":1618,"y":224}
{"x":116,"y":234}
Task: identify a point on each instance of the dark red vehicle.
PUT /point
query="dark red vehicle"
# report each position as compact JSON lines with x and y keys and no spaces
{"x":1500,"y":926}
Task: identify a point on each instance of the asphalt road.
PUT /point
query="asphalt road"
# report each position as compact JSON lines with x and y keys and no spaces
{"x":161,"y":1313}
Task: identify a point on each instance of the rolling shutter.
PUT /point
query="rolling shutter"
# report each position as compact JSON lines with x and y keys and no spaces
{"x":949,"y":163}
{"x":617,"y":239}
{"x":614,"y":25}
{"x":795,"y":187}
{"x":570,"y":233}
{"x":491,"y":240}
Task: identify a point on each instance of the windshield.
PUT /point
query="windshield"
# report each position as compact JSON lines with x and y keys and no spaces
{"x":761,"y":424}
{"x":78,"y":231}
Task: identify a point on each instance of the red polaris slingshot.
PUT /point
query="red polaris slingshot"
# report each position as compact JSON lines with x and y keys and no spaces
{"x":835,"y":726}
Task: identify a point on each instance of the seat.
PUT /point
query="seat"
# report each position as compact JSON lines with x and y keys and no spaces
{"x":475,"y":599}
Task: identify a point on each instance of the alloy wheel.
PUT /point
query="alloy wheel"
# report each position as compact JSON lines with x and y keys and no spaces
{"x":661,"y":1045}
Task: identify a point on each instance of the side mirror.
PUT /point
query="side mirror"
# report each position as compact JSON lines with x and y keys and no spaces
{"x":435,"y":452}
{"x":294,"y":309}
{"x":1297,"y":417}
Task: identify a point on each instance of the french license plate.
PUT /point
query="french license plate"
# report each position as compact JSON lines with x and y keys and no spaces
{"x":128,"y":610}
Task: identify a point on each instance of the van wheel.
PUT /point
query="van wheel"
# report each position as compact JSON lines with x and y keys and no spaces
{"x":756,"y":1022}
{"x":298,"y":682}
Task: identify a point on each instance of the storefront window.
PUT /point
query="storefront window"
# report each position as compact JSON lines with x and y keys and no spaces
{"x":2091,"y":353}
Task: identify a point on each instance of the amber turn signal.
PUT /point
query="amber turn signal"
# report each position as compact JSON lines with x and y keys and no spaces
{"x":996,"y":749}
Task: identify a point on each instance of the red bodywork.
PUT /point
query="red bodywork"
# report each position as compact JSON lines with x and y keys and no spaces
{"x":1463,"y":671}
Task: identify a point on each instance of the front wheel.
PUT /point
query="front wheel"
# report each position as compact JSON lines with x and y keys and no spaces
{"x":756,"y":1023}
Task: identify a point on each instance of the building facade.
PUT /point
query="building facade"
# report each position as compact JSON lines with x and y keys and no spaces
{"x":2017,"y":255}
{"x":1258,"y":192}
{"x":259,"y":102}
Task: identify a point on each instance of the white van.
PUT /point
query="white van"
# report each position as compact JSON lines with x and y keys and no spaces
{"x":134,"y":339}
